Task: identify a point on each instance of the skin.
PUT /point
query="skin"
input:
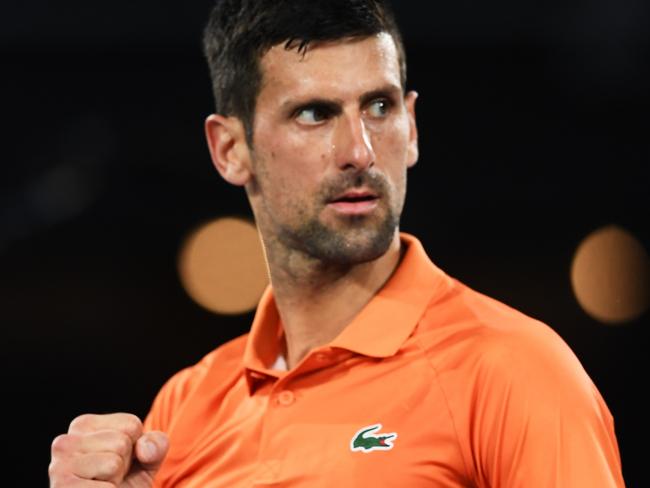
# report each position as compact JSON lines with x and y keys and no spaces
{"x":104,"y":451}
{"x":327,"y":122}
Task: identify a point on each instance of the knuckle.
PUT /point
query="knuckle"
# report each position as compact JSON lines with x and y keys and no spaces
{"x":61,"y":481}
{"x":122,"y":444}
{"x":132,"y":425}
{"x":61,"y":443}
{"x":53,"y":468}
{"x":111,"y":465}
{"x":58,"y":474}
{"x":80,"y":422}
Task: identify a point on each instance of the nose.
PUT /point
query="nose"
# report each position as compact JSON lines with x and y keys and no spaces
{"x":353,"y":144}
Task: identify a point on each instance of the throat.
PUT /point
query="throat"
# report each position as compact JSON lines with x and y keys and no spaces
{"x":316,"y":302}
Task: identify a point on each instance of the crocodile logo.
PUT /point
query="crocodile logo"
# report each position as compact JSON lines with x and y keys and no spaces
{"x":365,"y":440}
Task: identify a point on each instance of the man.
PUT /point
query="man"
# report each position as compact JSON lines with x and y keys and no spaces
{"x":366,"y":365}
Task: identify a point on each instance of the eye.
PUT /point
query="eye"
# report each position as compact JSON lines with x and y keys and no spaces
{"x":312,"y":115}
{"x":379,"y":108}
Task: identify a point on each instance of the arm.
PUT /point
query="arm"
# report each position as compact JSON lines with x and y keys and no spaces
{"x":539,"y":419}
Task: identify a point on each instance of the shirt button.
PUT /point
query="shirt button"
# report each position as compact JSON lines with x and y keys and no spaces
{"x":286,"y":398}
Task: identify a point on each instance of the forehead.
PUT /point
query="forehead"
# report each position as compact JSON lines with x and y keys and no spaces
{"x":336,"y":68}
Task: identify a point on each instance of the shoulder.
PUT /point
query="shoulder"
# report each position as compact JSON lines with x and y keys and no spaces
{"x":492,"y":342}
{"x":220,"y":363}
{"x":223,"y":358}
{"x":524,"y":408}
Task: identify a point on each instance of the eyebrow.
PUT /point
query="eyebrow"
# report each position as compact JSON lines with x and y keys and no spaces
{"x":334,"y":105}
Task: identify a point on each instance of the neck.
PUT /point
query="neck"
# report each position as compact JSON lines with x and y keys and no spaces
{"x":316,"y":301}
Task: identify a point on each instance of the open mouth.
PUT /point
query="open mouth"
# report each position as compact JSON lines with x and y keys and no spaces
{"x":355,"y":202}
{"x":355,"y":197}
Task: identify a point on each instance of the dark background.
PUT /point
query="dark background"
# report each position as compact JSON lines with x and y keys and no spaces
{"x":533,"y":121}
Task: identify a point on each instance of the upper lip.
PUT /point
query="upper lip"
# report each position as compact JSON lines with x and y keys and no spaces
{"x":354,"y":194}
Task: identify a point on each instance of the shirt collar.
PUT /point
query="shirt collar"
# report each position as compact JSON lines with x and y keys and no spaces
{"x":380,"y":328}
{"x":385,"y":323}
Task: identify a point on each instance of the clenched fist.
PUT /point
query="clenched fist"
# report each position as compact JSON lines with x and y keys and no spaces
{"x":104,"y":451}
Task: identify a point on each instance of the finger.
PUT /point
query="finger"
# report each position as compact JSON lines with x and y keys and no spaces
{"x":124,"y":422}
{"x":102,"y":466}
{"x":74,"y":482}
{"x":83,"y":469}
{"x":103,"y":440}
{"x":71,"y":446}
{"x":151,"y":449}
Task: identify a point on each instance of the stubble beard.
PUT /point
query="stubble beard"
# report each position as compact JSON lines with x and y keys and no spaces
{"x":352,"y":239}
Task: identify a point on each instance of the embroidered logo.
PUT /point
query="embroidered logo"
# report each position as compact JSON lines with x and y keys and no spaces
{"x":365,"y":440}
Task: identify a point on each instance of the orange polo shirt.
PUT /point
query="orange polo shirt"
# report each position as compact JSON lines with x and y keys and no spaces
{"x":431,"y":385}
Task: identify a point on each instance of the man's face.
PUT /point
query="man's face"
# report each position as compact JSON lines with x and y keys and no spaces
{"x":332,"y":138}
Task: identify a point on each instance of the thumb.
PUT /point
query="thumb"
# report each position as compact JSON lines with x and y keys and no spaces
{"x":151,"y":449}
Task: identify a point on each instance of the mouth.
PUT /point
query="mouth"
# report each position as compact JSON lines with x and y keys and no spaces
{"x":354,"y":202}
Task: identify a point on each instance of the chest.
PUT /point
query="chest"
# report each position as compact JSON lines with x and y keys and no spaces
{"x":388,"y":427}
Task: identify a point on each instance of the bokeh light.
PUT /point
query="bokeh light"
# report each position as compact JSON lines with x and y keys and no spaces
{"x":610,"y":275}
{"x":222,"y":266}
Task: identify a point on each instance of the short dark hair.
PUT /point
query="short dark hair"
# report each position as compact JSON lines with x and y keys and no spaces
{"x":240,"y":32}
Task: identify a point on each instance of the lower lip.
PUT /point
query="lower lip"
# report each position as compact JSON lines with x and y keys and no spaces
{"x":355,"y":208}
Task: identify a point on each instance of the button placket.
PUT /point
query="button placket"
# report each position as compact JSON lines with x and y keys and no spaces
{"x":285,"y":398}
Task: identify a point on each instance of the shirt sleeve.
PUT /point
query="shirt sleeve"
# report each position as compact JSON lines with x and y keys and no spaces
{"x":539,"y":421}
{"x":167,"y":401}
{"x":217,"y":369}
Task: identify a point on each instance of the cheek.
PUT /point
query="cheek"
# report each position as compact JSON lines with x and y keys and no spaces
{"x":309,"y":150}
{"x":287,"y":173}
{"x":297,"y":152}
{"x":394,"y":131}
{"x":391,"y":148}
{"x":294,"y":166}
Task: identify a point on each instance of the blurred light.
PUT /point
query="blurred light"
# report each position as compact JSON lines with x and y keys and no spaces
{"x":610,"y":275}
{"x":222,"y":266}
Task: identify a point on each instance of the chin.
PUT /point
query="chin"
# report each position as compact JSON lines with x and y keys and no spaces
{"x":354,"y":245}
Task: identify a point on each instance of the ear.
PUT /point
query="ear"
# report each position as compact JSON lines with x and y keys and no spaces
{"x":413,"y":151}
{"x":228,"y":147}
